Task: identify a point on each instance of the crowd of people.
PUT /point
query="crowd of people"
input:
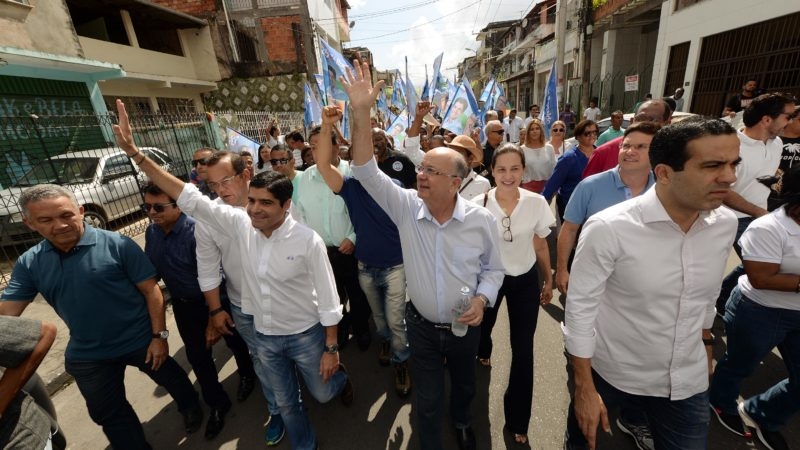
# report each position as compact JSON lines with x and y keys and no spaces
{"x":287,"y":254}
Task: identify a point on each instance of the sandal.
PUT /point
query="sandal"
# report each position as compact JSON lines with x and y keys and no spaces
{"x":485,"y":362}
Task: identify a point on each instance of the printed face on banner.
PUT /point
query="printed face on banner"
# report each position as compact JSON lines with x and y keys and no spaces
{"x":397,"y":130}
{"x":238,"y":142}
{"x":460,"y":119}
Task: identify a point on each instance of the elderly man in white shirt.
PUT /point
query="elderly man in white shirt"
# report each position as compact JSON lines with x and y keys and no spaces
{"x":295,"y":308}
{"x":641,"y":301}
{"x":453,"y":245}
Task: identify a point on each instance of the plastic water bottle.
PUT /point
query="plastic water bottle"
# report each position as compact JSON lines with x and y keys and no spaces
{"x":462,"y":305}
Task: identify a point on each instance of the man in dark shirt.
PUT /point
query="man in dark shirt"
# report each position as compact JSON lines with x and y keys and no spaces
{"x":740,"y":101}
{"x":170,"y":245}
{"x":393,"y":163}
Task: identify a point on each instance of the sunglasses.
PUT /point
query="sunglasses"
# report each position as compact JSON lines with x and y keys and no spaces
{"x":202,"y":161}
{"x":590,"y":133}
{"x":279,"y":161}
{"x":497,"y":131}
{"x":558,"y":130}
{"x":158,"y":207}
{"x":506,"y":222}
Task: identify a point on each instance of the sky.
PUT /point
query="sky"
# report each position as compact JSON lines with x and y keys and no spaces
{"x":421,"y":29}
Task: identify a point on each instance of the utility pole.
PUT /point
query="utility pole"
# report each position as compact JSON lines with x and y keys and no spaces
{"x":586,"y":29}
{"x":561,"y":42}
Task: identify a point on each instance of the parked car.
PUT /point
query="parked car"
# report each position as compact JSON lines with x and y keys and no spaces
{"x":604,"y":124}
{"x":106,"y":183}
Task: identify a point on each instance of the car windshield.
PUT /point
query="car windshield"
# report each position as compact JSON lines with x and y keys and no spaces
{"x":60,"y":171}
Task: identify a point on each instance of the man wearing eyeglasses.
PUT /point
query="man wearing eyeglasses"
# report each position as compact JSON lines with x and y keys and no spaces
{"x":170,"y":245}
{"x":200,"y":170}
{"x":104,"y":288}
{"x":450,"y":245}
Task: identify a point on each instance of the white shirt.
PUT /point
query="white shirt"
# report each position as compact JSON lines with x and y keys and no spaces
{"x":287,"y":281}
{"x":214,"y":249}
{"x":592,"y":113}
{"x":474,"y":184}
{"x":640,"y":293}
{"x":513,"y":128}
{"x":532,"y":215}
{"x":539,"y":163}
{"x":460,"y":252}
{"x":775,"y":239}
{"x":758,"y":159}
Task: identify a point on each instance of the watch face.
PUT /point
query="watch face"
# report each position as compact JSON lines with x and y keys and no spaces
{"x":162,"y":334}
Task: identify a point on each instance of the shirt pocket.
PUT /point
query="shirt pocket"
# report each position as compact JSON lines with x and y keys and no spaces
{"x":466,"y":261}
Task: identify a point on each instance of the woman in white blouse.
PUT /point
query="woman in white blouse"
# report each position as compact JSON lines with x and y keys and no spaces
{"x":540,"y":159}
{"x":558,"y":133}
{"x":523,"y":221}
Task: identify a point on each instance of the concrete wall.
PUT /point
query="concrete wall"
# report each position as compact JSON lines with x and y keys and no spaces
{"x":47,"y":28}
{"x":704,"y":19}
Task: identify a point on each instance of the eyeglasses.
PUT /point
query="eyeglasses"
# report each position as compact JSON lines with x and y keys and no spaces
{"x":225,"y":182}
{"x":201,"y":161}
{"x":506,"y":222}
{"x":430,"y":171}
{"x":558,"y":130}
{"x":157,"y":207}
{"x":590,"y":133}
{"x":279,"y":161}
{"x":627,"y":147}
{"x":496,"y":131}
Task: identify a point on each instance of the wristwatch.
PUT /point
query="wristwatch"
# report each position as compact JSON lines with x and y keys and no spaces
{"x":332,"y":348}
{"x":161,"y":335}
{"x":485,"y":300}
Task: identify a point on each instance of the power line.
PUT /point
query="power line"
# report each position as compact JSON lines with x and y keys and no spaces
{"x":384,"y":12}
{"x":417,"y":26}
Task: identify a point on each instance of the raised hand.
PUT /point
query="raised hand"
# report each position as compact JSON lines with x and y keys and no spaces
{"x":123,"y":131}
{"x":359,"y":86}
{"x":331,"y":115}
{"x":423,"y":108}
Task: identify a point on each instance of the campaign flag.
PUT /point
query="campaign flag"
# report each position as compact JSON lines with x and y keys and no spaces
{"x":236,"y":142}
{"x":426,"y":90}
{"x":499,"y":100}
{"x":313,"y":112}
{"x":320,"y":84}
{"x":346,"y":121}
{"x":411,"y":95}
{"x":549,"y":112}
{"x":397,"y":129}
{"x":487,"y":91}
{"x":437,"y":66}
{"x":473,"y":106}
{"x":324,"y":75}
{"x":398,"y":93}
{"x":383,"y":107}
{"x":462,"y":115}
{"x":334,"y":67}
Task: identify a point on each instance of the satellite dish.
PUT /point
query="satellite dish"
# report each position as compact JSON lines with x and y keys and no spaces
{"x":524,"y":22}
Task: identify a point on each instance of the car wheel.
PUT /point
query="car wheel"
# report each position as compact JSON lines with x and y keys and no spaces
{"x":95,"y":219}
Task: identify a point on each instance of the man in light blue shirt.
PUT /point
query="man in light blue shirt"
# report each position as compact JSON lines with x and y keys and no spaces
{"x":614,"y":131}
{"x":450,"y":244}
{"x":326,"y":213}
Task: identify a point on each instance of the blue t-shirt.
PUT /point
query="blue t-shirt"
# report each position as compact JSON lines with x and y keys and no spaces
{"x":566,"y":174}
{"x":378,"y":242}
{"x":596,"y":193}
{"x":175,"y":258}
{"x":93,"y":290}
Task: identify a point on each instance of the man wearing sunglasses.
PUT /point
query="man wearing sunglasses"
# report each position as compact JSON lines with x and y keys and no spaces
{"x":452,"y":243}
{"x":494,"y":137}
{"x":170,"y":245}
{"x":200,"y":170}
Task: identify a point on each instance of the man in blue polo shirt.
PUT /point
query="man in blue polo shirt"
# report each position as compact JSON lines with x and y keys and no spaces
{"x":380,"y":258}
{"x":104,"y":288}
{"x":632,"y":177}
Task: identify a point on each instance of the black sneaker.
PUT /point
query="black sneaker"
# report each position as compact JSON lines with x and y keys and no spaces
{"x":773,"y":440}
{"x":732,"y":422}
{"x":193,"y":419}
{"x":640,"y":433}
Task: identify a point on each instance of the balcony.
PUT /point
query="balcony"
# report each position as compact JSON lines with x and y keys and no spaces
{"x":138,"y":60}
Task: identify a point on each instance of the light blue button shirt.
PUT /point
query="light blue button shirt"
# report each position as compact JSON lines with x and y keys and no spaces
{"x":439,"y":258}
{"x":321,"y":209}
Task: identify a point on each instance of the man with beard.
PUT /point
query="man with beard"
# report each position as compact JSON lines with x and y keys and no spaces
{"x":740,"y":101}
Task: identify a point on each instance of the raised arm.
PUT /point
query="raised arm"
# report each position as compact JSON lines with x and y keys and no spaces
{"x":362,"y":96}
{"x":171,"y":185}
{"x":330,"y":173}
{"x":423,"y":108}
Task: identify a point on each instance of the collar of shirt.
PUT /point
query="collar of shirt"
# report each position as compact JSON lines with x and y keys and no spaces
{"x":653,"y":211}
{"x":343,"y":167}
{"x":178,"y":229}
{"x":89,"y":238}
{"x":621,"y":185}
{"x":459,"y":212}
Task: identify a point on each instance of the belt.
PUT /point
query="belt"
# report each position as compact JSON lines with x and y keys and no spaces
{"x":413,"y":311}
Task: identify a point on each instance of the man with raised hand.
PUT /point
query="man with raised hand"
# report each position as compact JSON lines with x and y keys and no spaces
{"x":453,"y":245}
{"x":288,"y":284}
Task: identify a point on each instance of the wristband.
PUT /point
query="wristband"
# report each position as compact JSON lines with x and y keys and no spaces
{"x":214,"y":312}
{"x":134,"y":155}
{"x":139,"y":162}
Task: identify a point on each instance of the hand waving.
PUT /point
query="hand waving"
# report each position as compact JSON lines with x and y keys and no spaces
{"x":359,"y":86}
{"x":423,"y":108}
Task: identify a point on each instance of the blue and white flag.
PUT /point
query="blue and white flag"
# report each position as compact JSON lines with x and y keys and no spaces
{"x":398,"y":93}
{"x":335,"y":66}
{"x":437,"y":66}
{"x":313,"y":112}
{"x":488,"y":90}
{"x":549,"y":112}
{"x":346,"y":121}
{"x":320,"y":85}
{"x":411,"y":96}
{"x":462,"y":115}
{"x":397,"y":129}
{"x":236,"y":142}
{"x":426,"y":90}
{"x":383,"y":107}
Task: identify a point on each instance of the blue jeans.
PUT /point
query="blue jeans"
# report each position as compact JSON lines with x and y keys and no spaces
{"x":286,"y":356}
{"x":732,"y":279}
{"x":429,"y":346}
{"x":753,"y":331}
{"x":102,"y":384}
{"x":675,"y":424}
{"x":385,"y":289}
{"x":246,"y":329}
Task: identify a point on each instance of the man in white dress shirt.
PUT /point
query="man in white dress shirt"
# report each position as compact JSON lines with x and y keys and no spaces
{"x":641,"y":300}
{"x":452,"y":248}
{"x":287,"y":285}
